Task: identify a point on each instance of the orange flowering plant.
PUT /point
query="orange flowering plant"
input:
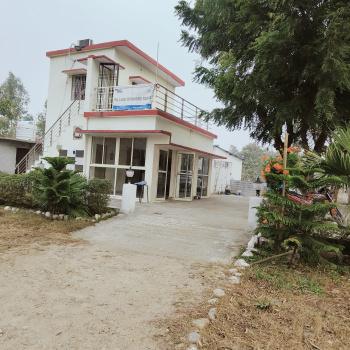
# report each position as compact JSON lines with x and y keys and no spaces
{"x":300,"y":224}
{"x":274,"y":167}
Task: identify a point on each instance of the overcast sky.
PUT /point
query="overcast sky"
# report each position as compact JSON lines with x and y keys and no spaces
{"x":28,"y":29}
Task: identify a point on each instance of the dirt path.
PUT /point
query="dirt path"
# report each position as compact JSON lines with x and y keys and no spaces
{"x":114,"y":292}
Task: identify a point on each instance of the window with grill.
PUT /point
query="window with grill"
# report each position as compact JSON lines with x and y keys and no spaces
{"x":78,"y":87}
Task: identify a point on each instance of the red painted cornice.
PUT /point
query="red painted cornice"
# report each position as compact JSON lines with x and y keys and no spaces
{"x":150,"y":112}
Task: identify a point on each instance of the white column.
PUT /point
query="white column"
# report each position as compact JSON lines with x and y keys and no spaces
{"x":128,"y":199}
{"x":91,"y":83}
{"x":252,"y":218}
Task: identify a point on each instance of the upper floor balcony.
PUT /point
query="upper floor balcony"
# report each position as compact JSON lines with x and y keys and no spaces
{"x":163,"y":99}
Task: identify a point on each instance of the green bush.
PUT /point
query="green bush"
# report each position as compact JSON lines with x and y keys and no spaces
{"x":15,"y":189}
{"x":96,"y":196}
{"x":55,"y":189}
{"x":59,"y":190}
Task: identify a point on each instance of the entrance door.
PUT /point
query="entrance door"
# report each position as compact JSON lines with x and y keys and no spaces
{"x":162,"y":174}
{"x":184,"y":176}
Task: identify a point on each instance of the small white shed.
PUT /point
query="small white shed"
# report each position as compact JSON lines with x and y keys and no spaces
{"x":225,"y":170}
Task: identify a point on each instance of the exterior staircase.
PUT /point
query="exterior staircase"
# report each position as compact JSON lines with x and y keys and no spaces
{"x":51,"y":135}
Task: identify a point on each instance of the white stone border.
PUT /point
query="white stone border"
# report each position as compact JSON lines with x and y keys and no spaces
{"x":97,"y":217}
{"x":194,"y":337}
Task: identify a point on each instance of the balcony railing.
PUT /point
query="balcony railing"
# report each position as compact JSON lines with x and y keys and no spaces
{"x":163,"y":99}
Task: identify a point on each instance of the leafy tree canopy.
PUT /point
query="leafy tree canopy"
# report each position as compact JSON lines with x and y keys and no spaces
{"x":253,"y":160}
{"x":14,"y":100}
{"x":275,"y":65}
{"x":41,"y":120}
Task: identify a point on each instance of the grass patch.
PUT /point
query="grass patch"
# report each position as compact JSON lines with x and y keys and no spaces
{"x":274,"y":307}
{"x":18,"y":229}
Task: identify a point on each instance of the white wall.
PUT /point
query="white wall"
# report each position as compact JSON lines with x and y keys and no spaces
{"x":223,"y":170}
{"x":7,"y":157}
{"x":60,"y":84}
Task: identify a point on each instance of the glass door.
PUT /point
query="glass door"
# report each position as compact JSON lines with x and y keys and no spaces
{"x":162,"y":174}
{"x":203,"y":176}
{"x":184,"y":176}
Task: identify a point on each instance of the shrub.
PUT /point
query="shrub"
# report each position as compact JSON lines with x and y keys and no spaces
{"x":303,"y":225}
{"x":59,"y":190}
{"x":96,"y":196}
{"x":15,"y":189}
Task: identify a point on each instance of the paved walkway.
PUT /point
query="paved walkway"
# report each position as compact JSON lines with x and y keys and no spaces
{"x":204,"y":230}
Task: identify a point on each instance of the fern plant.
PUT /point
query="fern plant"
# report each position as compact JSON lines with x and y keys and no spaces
{"x":283,"y":219}
{"x":59,"y":190}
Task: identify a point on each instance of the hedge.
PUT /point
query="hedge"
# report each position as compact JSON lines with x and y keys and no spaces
{"x":16,"y":190}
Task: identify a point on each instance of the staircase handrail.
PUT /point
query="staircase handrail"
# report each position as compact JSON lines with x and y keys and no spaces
{"x":49,"y":132}
{"x":37,"y":148}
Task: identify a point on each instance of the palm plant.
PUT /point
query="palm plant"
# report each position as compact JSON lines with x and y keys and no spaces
{"x":336,"y":159}
{"x":59,"y":190}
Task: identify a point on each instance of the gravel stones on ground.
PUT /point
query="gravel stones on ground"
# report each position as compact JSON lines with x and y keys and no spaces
{"x":212,"y":313}
{"x":201,"y":322}
{"x":213,"y":300}
{"x":193,"y":337}
{"x":234,"y":279}
{"x":192,"y":347}
{"x":241,"y":263}
{"x":219,"y":292}
{"x":248,"y":253}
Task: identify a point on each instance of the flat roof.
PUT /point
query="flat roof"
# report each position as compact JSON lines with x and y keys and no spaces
{"x":130,"y":50}
{"x":17,"y":140}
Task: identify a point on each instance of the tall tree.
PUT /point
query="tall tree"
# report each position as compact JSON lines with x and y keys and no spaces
{"x":41,"y":120}
{"x":14,"y":100}
{"x":253,"y":160}
{"x":233,"y":149}
{"x":275,"y":65}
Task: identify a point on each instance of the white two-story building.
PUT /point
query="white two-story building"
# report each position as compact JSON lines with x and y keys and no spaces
{"x":111,"y":107}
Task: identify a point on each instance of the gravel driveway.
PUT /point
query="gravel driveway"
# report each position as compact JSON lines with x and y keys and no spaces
{"x":116,"y":291}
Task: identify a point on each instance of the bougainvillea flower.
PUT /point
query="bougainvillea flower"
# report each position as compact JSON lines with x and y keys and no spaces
{"x":300,"y":164}
{"x":333,"y":211}
{"x":263,"y":191}
{"x":265,"y":221}
{"x":308,"y":152}
{"x":285,"y":172}
{"x":265,"y":157}
{"x":267,"y":170}
{"x":326,"y":201}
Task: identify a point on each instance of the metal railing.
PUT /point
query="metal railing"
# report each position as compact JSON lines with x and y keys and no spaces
{"x":163,"y":99}
{"x":29,"y":159}
{"x":54,"y":131}
{"x":177,"y":106}
{"x":64,"y":120}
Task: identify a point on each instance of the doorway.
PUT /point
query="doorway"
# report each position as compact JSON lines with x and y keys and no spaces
{"x":164,"y":171}
{"x":184,"y":177}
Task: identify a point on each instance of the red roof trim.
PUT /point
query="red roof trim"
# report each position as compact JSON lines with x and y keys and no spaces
{"x":74,"y":70}
{"x":126,"y":132}
{"x":150,"y":132}
{"x":149,"y":112}
{"x":139,"y":77}
{"x":97,"y":58}
{"x":116,"y":44}
{"x":197,"y":150}
{"x":192,"y":150}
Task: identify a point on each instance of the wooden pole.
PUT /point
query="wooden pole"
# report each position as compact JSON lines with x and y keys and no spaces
{"x":284,"y":162}
{"x":280,"y":237}
{"x":271,"y":257}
